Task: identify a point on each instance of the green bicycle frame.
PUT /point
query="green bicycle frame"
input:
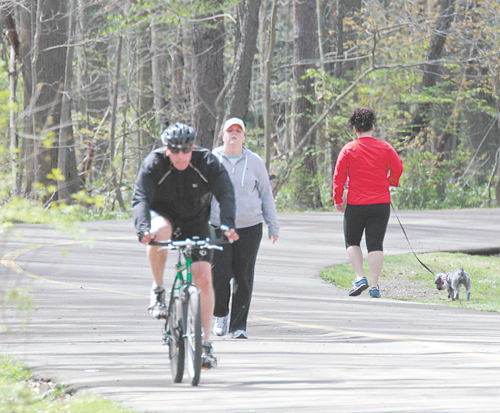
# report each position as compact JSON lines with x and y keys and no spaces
{"x":181,"y":267}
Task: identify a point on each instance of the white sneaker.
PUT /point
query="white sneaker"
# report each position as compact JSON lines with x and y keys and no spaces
{"x":240,"y":334}
{"x":208,"y":361}
{"x":220,"y":325}
{"x":157,"y":307}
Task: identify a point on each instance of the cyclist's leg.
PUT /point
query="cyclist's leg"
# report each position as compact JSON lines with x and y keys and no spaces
{"x":201,"y":269}
{"x":244,"y":256}
{"x":202,"y":278}
{"x":162,"y":228}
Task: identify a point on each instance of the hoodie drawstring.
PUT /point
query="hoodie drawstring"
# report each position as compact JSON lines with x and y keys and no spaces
{"x":233,"y":166}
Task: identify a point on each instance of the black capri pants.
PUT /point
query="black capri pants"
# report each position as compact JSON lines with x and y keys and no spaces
{"x":370,"y":219}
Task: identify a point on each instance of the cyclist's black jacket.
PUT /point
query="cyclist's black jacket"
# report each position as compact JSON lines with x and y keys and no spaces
{"x":183,"y":196}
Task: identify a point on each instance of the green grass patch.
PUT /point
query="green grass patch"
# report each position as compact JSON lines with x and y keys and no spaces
{"x":404,"y":278}
{"x":21,"y":392}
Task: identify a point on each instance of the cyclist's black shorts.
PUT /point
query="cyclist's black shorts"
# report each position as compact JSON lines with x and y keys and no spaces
{"x":370,"y":219}
{"x":182,"y":230}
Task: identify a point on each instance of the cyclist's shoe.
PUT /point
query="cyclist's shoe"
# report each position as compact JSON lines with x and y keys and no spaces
{"x":220,"y":325}
{"x":208,"y":361}
{"x":240,"y":334}
{"x":375,"y":292}
{"x":358,"y":287}
{"x":158,"y":307}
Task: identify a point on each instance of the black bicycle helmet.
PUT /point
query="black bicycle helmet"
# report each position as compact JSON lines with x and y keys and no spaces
{"x":178,"y":134}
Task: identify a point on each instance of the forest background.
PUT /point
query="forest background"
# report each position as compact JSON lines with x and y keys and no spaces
{"x":87,"y":86}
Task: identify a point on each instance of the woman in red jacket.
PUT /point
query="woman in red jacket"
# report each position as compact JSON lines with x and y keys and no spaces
{"x":369,"y":166}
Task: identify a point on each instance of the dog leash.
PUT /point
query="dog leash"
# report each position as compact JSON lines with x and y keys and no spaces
{"x":409,"y":243}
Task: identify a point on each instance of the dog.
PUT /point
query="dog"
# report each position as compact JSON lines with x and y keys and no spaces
{"x":452,"y":281}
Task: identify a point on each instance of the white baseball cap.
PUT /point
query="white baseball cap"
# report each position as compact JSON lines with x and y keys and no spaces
{"x":234,"y":121}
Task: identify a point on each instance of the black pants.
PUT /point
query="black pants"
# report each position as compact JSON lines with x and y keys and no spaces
{"x":237,"y":261}
{"x":370,"y":219}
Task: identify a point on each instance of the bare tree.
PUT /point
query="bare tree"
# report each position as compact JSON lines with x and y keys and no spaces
{"x":239,"y":95}
{"x":44,"y":53}
{"x":7,"y":20}
{"x":92,"y":54}
{"x":112,"y":137}
{"x":67,"y":182}
{"x":268,"y":109}
{"x":304,"y":54}
{"x":207,"y":74}
{"x":157,"y":69}
{"x":432,"y":70}
{"x":145,"y":87}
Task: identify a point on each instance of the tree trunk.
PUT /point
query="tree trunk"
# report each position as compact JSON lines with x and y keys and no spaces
{"x":93,"y":79}
{"x":432,"y":70}
{"x":305,"y":44}
{"x":7,"y":21}
{"x":179,"y":85}
{"x":339,"y":32}
{"x":157,"y":69}
{"x":66,"y":162}
{"x":268,"y":67}
{"x":45,"y":49}
{"x":28,"y":141}
{"x":239,"y":95}
{"x":112,"y":137}
{"x":207,"y":76}
{"x":146,"y":95}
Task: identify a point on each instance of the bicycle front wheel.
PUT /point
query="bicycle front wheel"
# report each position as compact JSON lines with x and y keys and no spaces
{"x":192,"y":338}
{"x":175,"y":339}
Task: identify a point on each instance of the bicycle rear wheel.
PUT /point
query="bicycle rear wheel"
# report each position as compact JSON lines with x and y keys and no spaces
{"x":175,"y":339}
{"x":192,"y":338}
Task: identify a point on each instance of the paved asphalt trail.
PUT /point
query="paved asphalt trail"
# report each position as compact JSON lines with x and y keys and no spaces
{"x":311,"y":348}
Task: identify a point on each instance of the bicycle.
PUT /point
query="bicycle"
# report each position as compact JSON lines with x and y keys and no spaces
{"x":182,"y":331}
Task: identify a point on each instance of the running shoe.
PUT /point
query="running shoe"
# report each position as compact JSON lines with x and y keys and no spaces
{"x":208,"y":361}
{"x":375,"y":292}
{"x":358,"y":287}
{"x":158,"y":307}
{"x":240,"y":334}
{"x":220,"y":325}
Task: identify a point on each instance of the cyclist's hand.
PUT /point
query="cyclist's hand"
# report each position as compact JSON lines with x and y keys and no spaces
{"x":232,"y":235}
{"x":147,"y":237}
{"x":274,"y":238}
{"x":340,"y":207}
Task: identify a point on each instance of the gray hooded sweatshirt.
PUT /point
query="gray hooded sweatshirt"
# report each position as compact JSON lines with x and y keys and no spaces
{"x":252,"y":189}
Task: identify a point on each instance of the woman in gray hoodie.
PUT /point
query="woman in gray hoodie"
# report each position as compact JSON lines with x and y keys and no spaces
{"x":254,"y":205}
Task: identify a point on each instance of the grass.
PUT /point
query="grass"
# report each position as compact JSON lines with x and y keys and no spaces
{"x":404,"y":278}
{"x":21,"y":392}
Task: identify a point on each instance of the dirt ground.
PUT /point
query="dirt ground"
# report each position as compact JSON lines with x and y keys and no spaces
{"x":406,"y":289}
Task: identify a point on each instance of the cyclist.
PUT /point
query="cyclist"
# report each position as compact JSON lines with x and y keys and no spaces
{"x":172,"y":196}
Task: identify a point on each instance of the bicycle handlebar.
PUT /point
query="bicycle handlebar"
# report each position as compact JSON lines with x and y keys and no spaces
{"x":190,"y":244}
{"x":198,"y":244}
